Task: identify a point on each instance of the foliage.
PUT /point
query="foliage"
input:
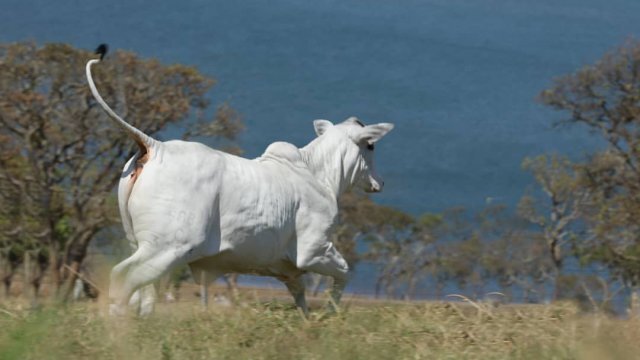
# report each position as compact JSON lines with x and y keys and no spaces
{"x":605,"y":98}
{"x":490,"y":251}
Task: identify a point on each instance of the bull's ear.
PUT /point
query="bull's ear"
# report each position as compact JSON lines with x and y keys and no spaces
{"x":373,"y":133}
{"x":321,"y":126}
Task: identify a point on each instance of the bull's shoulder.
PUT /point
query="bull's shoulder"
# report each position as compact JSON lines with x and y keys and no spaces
{"x":282,"y":151}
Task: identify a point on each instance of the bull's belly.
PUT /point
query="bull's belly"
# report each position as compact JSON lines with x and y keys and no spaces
{"x":233,"y":262}
{"x":253,"y":249}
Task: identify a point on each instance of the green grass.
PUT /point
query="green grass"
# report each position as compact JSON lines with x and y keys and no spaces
{"x":274,"y":330}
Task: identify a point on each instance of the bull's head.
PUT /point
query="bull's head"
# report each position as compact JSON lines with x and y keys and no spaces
{"x":355,"y":142}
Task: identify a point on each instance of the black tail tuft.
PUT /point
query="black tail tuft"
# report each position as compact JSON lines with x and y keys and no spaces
{"x":102,"y":50}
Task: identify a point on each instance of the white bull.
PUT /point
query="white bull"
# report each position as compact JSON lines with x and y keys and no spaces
{"x":185,"y":203}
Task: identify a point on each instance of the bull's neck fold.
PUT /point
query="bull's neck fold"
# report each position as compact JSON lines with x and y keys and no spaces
{"x":328,"y":161}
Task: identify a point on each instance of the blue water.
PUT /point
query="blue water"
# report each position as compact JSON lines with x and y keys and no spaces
{"x":458,"y":77}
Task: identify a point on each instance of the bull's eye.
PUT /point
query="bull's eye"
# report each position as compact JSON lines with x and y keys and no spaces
{"x":370,"y":147}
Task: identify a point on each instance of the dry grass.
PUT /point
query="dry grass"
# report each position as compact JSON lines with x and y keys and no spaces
{"x":275,"y":330}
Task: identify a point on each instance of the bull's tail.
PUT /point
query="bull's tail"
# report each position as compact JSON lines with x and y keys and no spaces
{"x":144,"y":141}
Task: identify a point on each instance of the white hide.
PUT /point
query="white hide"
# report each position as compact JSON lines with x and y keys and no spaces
{"x":221,"y":213}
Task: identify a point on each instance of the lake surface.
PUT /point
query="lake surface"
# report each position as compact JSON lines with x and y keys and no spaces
{"x":458,"y":77}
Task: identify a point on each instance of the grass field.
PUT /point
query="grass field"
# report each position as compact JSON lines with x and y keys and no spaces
{"x":273,"y":329}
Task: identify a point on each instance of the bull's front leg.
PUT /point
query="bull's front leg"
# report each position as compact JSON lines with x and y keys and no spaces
{"x":325,"y":260}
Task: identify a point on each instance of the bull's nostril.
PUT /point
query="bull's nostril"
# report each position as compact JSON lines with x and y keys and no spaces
{"x":383,"y":183}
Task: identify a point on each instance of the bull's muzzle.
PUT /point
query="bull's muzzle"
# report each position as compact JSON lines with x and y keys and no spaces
{"x":375,"y":187}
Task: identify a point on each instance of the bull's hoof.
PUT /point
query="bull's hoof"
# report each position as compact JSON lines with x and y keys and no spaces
{"x":330,"y":310}
{"x":146,"y":309}
{"x":117,"y":310}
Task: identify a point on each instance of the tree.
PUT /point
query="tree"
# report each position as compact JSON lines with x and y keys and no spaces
{"x":11,"y":251}
{"x":397,"y":248}
{"x":558,"y":216}
{"x":67,"y":153}
{"x":605,"y":98}
{"x":472,"y":251}
{"x":514,"y":256}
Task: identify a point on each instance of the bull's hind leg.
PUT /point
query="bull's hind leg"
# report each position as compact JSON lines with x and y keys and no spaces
{"x":296,"y":288}
{"x":144,"y":299}
{"x":204,"y":274}
{"x":118,"y":275}
{"x":144,"y":267}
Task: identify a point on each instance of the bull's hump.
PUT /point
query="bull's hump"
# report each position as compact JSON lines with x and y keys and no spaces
{"x":283,"y":151}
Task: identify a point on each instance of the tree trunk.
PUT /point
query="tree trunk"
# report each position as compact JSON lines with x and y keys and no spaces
{"x":76,"y":255}
{"x":634,"y":303}
{"x":54,"y":269}
{"x":7,"y":288}
{"x":555,"y":288}
{"x":5,"y":267}
{"x":411,"y":287}
{"x":6,"y":281}
{"x":68,"y":284}
{"x":28,"y":290}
